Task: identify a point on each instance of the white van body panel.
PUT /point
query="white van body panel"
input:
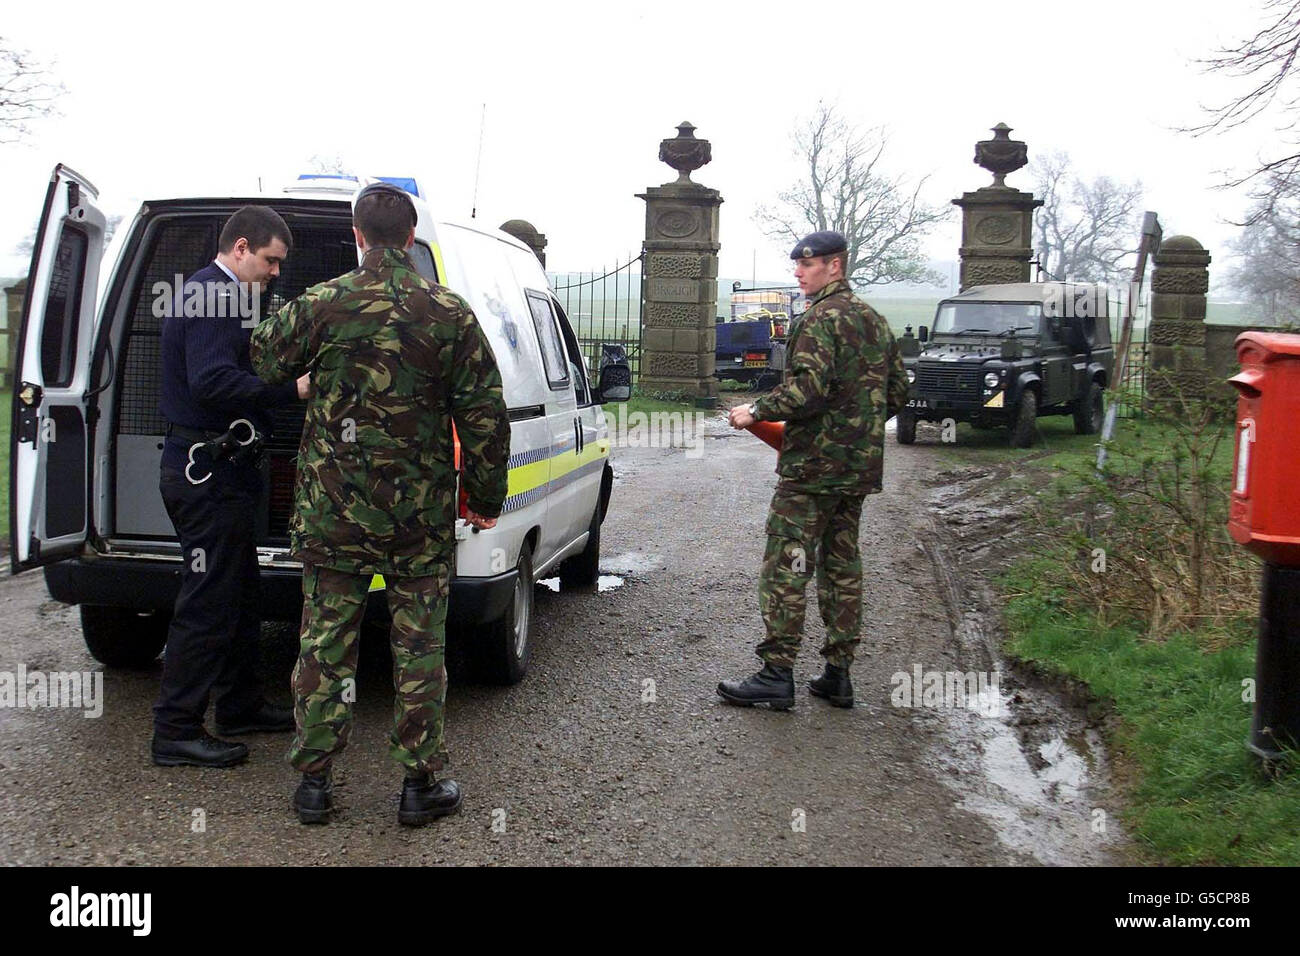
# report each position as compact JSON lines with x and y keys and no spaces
{"x":559,"y":446}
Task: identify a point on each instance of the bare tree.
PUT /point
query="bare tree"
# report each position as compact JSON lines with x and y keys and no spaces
{"x":1084,"y":230}
{"x":328,"y":165}
{"x":1266,"y":62}
{"x":1267,"y":273}
{"x":847,"y":189}
{"x":27,"y":92}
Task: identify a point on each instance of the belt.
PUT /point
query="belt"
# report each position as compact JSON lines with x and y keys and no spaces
{"x":191,"y":434}
{"x":230,"y":445}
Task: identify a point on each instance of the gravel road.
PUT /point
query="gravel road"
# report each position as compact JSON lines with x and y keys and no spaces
{"x":587,"y":761}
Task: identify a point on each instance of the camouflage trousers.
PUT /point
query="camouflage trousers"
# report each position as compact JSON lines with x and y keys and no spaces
{"x":807,"y":531}
{"x":324,"y":679}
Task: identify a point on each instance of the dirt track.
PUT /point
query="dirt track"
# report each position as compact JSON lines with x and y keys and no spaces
{"x":580,"y":762}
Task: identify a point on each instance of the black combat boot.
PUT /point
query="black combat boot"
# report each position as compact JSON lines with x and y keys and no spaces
{"x":425,"y":799}
{"x":773,"y":685}
{"x":201,"y":751}
{"x":834,"y":685}
{"x":314,"y":798}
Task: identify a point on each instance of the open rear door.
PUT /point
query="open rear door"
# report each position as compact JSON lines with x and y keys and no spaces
{"x":48,"y":517}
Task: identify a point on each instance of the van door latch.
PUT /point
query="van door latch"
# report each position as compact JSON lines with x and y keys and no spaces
{"x":29,"y":412}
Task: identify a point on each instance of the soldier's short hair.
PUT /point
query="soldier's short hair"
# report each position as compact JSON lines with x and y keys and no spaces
{"x":385,"y":215}
{"x":258,"y":224}
{"x":844,"y":262}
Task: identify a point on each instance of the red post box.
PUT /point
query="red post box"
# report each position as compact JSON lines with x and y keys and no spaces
{"x":1264,"y":514}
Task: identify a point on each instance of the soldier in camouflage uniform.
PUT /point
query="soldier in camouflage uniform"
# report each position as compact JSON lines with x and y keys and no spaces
{"x":844,"y":377}
{"x":394,"y":359}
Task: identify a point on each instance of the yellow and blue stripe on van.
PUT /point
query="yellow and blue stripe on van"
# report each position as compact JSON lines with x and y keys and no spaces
{"x":539,"y":471}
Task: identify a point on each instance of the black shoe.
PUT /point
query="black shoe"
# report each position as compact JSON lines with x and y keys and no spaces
{"x":834,"y":685}
{"x":425,"y":799}
{"x":314,"y":798}
{"x":266,"y":719}
{"x":202,"y":751}
{"x":773,"y":685}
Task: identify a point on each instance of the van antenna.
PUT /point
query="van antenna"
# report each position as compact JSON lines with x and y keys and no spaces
{"x":259,"y":184}
{"x":478,"y":163}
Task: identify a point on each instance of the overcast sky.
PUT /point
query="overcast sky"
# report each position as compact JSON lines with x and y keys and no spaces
{"x":174,"y":99}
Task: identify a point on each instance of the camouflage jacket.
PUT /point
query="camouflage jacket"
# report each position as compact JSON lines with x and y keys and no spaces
{"x":394,"y":359}
{"x":843,"y":378}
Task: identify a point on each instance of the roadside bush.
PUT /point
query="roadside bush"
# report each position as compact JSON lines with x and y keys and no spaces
{"x":1151,"y":544}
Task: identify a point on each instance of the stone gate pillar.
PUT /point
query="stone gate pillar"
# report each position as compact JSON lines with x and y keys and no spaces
{"x":1180,"y":283}
{"x":997,"y":221}
{"x":679,"y":276}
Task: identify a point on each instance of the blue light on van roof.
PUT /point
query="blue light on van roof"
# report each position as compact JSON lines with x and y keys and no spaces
{"x":406,"y":183}
{"x":328,"y":176}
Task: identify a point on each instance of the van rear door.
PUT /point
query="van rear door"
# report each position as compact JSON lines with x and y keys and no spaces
{"x":48,"y":473}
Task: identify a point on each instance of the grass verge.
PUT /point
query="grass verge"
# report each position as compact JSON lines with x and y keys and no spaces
{"x":1182,"y":704}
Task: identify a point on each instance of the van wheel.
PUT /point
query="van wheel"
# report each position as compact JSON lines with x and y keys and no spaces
{"x":906,"y":425}
{"x":504,"y":650}
{"x":122,"y":636}
{"x":1024,"y":429}
{"x":583,"y":569}
{"x":1088,"y":414}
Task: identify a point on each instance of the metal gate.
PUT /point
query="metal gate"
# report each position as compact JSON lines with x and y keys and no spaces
{"x":604,"y":307}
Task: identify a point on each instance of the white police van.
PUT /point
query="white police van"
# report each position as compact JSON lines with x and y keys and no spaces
{"x":87,"y":432}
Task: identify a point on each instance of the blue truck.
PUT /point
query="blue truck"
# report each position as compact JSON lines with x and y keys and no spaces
{"x":751,"y":343}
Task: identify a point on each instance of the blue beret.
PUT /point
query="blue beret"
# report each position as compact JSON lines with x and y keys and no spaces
{"x":824,"y":243}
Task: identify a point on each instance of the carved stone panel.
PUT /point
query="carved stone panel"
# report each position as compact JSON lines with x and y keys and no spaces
{"x":666,"y":265}
{"x":665,"y":315}
{"x":996,"y":230}
{"x":1178,"y":332}
{"x":673,"y":290}
{"x":677,"y":222}
{"x":1193,"y":281}
{"x":993,"y":272}
{"x":673,"y":364}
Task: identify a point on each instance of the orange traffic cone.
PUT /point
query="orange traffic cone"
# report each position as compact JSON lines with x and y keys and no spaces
{"x":771,"y":432}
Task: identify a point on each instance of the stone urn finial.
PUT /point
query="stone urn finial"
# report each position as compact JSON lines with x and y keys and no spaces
{"x":685,"y":153}
{"x":1001,"y":154}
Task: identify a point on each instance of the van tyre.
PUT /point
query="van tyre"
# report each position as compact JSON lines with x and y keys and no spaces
{"x":1089,"y":412}
{"x":583,"y":569}
{"x":506,"y":646}
{"x":906,"y":426}
{"x":122,"y":636}
{"x":1025,"y":426}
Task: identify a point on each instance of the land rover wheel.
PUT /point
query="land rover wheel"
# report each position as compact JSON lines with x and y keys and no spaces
{"x":504,"y":649}
{"x":583,"y":569}
{"x":906,"y":426}
{"x":1089,"y":412}
{"x":124,"y":637}
{"x":1024,"y":427}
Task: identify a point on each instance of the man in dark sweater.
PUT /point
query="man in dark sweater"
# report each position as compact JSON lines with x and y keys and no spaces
{"x":212,"y":496}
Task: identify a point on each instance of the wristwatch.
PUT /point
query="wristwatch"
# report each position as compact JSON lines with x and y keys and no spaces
{"x":753,"y":410}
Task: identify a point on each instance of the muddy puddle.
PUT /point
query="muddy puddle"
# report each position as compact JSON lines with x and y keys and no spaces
{"x":1023,"y":756}
{"x":615,"y":570}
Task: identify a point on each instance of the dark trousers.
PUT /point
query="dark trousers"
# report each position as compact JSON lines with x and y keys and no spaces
{"x":212,"y":645}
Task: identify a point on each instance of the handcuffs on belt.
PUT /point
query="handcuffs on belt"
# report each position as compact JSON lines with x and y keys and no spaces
{"x":228,"y":446}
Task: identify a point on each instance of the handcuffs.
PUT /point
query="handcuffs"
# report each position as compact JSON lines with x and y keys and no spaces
{"x":227,"y":446}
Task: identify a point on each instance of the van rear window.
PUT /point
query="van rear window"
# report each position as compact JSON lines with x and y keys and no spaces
{"x":63,"y":309}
